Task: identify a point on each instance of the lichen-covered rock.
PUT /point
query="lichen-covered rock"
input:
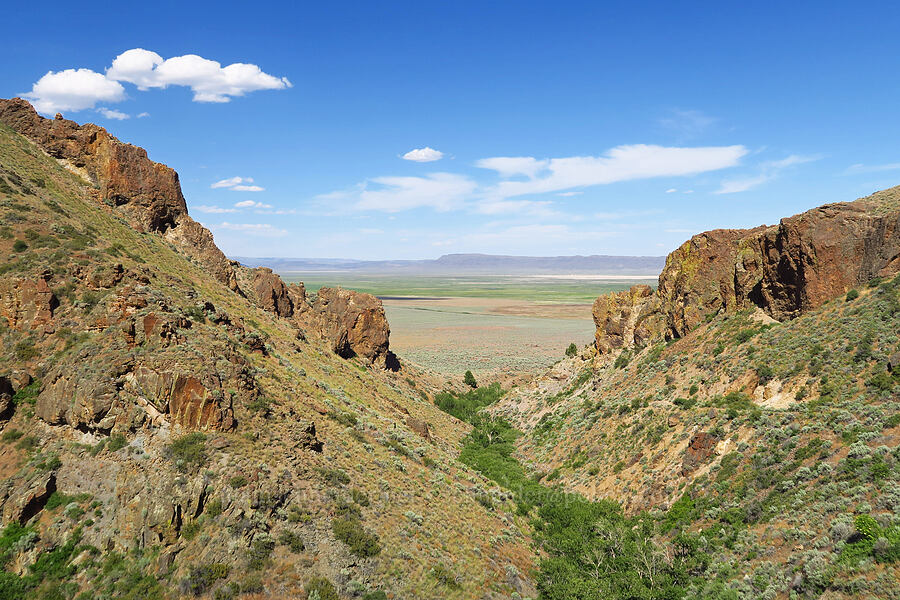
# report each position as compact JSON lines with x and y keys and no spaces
{"x":786,"y":270}
{"x":183,"y":397}
{"x":621,"y":318}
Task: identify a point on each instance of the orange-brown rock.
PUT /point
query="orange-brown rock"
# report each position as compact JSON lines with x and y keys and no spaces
{"x":786,"y":270}
{"x":196,"y":241}
{"x":27,"y":303}
{"x":699,"y":451}
{"x":621,"y":318}
{"x":148,"y":192}
{"x":184,"y":398}
{"x":271,"y":293}
{"x":352,"y":322}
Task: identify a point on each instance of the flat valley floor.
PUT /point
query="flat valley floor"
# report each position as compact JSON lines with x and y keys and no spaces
{"x":500,"y":327}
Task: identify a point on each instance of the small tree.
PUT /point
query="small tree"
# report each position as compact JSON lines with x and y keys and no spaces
{"x":469,"y":380}
{"x":572,"y":350}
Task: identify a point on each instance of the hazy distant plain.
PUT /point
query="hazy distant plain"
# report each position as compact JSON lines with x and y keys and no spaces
{"x":497,"y":326}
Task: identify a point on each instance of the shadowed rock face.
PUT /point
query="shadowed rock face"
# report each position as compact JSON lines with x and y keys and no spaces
{"x":786,"y":270}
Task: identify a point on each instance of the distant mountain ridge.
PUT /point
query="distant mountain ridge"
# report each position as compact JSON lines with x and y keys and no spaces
{"x":474,"y":263}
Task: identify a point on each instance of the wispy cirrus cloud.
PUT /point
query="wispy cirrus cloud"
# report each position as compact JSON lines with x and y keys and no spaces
{"x":622,"y":163}
{"x":768,"y":171}
{"x":528,"y":175}
{"x":262,"y":229}
{"x":82,"y":88}
{"x":439,"y":191}
{"x":238,"y":184}
{"x":687,"y":123}
{"x":861,"y":168}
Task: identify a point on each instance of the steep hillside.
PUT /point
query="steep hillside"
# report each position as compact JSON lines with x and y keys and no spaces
{"x":174,"y":424}
{"x":773,"y":445}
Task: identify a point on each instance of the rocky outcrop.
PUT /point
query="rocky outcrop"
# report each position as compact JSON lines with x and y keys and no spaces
{"x":88,"y":402}
{"x":700,"y":450}
{"x":353,"y":323}
{"x":785,"y":270}
{"x":271,"y":293}
{"x":625,"y":318}
{"x":27,"y":303}
{"x":196,"y":241}
{"x":147,"y":192}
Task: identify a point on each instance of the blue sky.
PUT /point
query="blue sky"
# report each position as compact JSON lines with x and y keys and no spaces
{"x":540,"y":128}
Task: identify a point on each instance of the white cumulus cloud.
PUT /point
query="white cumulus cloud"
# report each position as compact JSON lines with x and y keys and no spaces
{"x":113,"y":114}
{"x":206,"y":208}
{"x":425,"y":154}
{"x":251,"y":204}
{"x":73,"y":89}
{"x":208,"y":79}
{"x":82,"y":89}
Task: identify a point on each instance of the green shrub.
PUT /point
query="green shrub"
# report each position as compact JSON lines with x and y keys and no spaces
{"x":260,"y":551}
{"x":469,"y":380}
{"x":321,"y":588}
{"x":292,"y":541}
{"x":444,"y":576}
{"x":350,"y":531}
{"x":213,"y":508}
{"x":684,"y":403}
{"x":465,"y":406}
{"x":188,"y":452}
{"x":238,"y":481}
{"x":334,"y":476}
{"x":20,"y":246}
{"x":116,"y":442}
{"x":852,"y":295}
{"x":203,"y":577}
{"x":572,"y":350}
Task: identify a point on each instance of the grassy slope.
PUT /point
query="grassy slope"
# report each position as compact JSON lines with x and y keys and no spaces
{"x":422,"y":501}
{"x":793,"y":468}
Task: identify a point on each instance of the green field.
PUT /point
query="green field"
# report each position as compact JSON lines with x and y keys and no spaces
{"x":580,"y":289}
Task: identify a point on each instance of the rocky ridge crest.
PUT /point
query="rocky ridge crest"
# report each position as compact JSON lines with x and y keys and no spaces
{"x":785,"y":270}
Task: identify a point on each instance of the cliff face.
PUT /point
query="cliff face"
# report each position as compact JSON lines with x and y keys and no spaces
{"x":147,"y":191}
{"x":785,"y":270}
{"x":149,"y":195}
